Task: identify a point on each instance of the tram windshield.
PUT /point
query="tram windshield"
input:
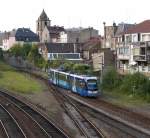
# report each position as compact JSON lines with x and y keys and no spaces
{"x":92,"y":85}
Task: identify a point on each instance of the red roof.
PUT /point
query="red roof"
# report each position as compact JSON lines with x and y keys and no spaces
{"x":143,"y":27}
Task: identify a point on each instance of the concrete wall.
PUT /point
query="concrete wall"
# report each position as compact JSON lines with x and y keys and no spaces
{"x":81,"y":35}
{"x":103,"y":60}
{"x":109,"y":40}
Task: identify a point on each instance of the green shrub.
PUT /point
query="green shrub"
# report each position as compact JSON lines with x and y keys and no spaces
{"x":68,"y":66}
{"x":111,"y":79}
{"x":16,"y":50}
{"x":1,"y":54}
{"x":0,"y":74}
{"x":82,"y":68}
{"x":135,"y":83}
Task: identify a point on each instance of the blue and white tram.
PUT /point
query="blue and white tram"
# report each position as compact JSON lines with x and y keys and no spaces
{"x":83,"y":85}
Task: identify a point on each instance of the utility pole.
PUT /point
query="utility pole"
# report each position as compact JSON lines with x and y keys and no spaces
{"x":101,"y":69}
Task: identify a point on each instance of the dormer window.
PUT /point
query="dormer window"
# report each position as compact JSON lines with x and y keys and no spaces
{"x":27,"y":39}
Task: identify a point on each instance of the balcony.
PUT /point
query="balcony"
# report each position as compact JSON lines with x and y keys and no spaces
{"x":123,"y":57}
{"x":140,"y":58}
{"x":141,"y":44}
{"x":148,"y":58}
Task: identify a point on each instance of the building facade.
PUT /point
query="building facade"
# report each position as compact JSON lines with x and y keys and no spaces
{"x":60,"y":51}
{"x":109,"y":36}
{"x":20,"y":35}
{"x":133,"y":53}
{"x":80,"y":35}
{"x":103,"y":59}
{"x":54,"y":34}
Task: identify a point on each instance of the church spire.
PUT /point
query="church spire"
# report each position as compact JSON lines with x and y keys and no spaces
{"x":43,"y":16}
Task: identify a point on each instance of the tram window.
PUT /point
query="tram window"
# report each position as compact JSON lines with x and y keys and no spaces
{"x":56,"y":75}
{"x":62,"y":77}
{"x":80,"y":83}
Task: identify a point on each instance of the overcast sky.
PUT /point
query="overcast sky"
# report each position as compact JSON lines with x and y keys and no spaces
{"x":72,"y":13}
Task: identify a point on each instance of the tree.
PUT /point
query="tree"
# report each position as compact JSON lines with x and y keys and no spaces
{"x":68,"y":66}
{"x":111,"y":79}
{"x":33,"y":55}
{"x":1,"y":54}
{"x":55,"y":63}
{"x":16,"y":50}
{"x":26,"y":49}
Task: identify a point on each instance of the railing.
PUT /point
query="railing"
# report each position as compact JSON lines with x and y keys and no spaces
{"x":142,"y":44}
{"x":140,"y":58}
{"x":122,"y":56}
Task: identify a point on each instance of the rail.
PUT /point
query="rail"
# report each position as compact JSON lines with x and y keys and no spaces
{"x":48,"y":126}
{"x":87,"y":128}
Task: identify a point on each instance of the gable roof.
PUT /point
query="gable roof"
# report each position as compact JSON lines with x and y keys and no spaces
{"x":143,"y":27}
{"x":55,"y":29}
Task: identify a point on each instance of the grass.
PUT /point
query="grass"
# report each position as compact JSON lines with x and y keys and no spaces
{"x":124,"y":99}
{"x":20,"y":82}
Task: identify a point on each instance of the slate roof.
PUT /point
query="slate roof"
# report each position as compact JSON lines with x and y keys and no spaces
{"x":24,"y":34}
{"x":143,"y":27}
{"x":55,"y":31}
{"x":122,"y":28}
{"x":43,"y":16}
{"x":60,"y":47}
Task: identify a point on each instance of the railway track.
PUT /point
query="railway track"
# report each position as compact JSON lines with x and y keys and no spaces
{"x":115,"y":120}
{"x":128,"y":122}
{"x":10,"y":125}
{"x":87,"y":127}
{"x":3,"y":132}
{"x":25,"y":121}
{"x":47,"y":128}
{"x":126,"y":114}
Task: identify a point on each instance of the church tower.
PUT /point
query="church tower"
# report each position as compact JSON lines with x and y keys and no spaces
{"x":42,"y":21}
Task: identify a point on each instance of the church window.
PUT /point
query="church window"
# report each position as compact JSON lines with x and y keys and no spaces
{"x":45,"y":23}
{"x":38,"y":25}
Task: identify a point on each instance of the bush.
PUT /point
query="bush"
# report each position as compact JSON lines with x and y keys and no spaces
{"x":16,"y":50}
{"x":111,"y":79}
{"x":0,"y":74}
{"x":135,"y":83}
{"x":26,"y":48}
{"x":1,"y":54}
{"x":54,"y":63}
{"x":68,"y":66}
{"x":81,"y":68}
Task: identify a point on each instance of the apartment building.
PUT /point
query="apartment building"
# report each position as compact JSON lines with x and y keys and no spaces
{"x":133,"y":52}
